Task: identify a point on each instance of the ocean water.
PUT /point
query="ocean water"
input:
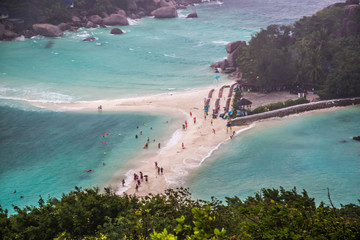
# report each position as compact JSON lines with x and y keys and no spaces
{"x":46,"y":153}
{"x":314,"y":151}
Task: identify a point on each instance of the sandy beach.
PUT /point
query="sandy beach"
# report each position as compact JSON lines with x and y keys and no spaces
{"x":199,"y":139}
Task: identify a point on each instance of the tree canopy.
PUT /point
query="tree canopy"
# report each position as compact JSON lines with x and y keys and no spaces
{"x":317,"y":52}
{"x":270,"y":214}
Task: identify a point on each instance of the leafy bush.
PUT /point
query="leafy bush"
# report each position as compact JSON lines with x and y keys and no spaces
{"x":274,"y":106}
{"x":271,"y":214}
{"x":278,"y":105}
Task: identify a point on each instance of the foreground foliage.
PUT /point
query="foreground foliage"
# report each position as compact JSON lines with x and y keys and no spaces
{"x":317,"y":52}
{"x":271,"y":214}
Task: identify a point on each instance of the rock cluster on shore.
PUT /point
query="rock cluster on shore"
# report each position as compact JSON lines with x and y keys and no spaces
{"x":229,"y":65}
{"x":38,"y":24}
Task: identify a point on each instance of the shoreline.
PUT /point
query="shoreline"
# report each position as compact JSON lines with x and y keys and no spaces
{"x":201,"y":139}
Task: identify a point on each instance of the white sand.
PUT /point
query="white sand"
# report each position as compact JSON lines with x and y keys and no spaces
{"x":199,"y":139}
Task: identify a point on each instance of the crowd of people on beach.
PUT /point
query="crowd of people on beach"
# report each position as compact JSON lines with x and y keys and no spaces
{"x":140,"y":178}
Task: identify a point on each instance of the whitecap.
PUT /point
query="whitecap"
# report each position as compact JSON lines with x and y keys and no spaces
{"x":218,"y":146}
{"x":134,"y":21}
{"x":37,"y":37}
{"x":131,"y":49}
{"x":21,"y":38}
{"x":175,"y":138}
{"x":170,"y":55}
{"x":34,"y":95}
{"x":128,"y":179}
{"x":220,"y":42}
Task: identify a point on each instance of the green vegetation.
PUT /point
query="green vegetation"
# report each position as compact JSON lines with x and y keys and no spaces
{"x":278,"y":105}
{"x":316,"y":52}
{"x":271,"y":214}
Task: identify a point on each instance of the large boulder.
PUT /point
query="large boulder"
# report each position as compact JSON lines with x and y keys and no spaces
{"x":116,"y":31}
{"x":230,"y":47}
{"x":75,"y":19}
{"x":89,"y":39}
{"x":234,"y":55}
{"x":9,"y":34}
{"x":164,"y":12}
{"x":90,"y":24}
{"x":96,"y":19}
{"x":116,"y":19}
{"x":64,"y":26}
{"x":167,"y":3}
{"x":47,"y":30}
{"x":2,"y":30}
{"x":132,"y":6}
{"x":193,"y":14}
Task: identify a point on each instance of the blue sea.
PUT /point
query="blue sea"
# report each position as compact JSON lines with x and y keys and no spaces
{"x":44,"y":152}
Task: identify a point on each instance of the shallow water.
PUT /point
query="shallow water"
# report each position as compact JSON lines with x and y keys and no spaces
{"x":44,"y":152}
{"x":47,"y":153}
{"x":314,"y":151}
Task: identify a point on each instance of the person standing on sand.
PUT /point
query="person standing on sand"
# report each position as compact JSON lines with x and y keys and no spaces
{"x":158,"y":170}
{"x":214,"y":130}
{"x":159,"y":145}
{"x":146,"y":178}
{"x":162,"y":171}
{"x":194,"y":120}
{"x":123,"y":182}
{"x":211,"y":122}
{"x":136,"y":187}
{"x":156,"y":164}
{"x":182,"y":146}
{"x":190,"y":114}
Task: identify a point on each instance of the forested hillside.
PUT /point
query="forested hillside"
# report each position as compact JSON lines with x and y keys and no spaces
{"x":321,"y":52}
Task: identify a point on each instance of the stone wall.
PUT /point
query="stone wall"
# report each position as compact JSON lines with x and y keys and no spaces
{"x":294,"y":109}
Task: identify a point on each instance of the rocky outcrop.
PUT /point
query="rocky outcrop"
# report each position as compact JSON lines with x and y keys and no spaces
{"x":89,"y":39}
{"x":116,"y":31}
{"x":47,"y":30}
{"x":350,"y":9}
{"x":229,"y":65}
{"x":96,"y":19}
{"x":193,"y":14}
{"x":349,"y":27}
{"x":167,"y":3}
{"x":116,"y":19}
{"x":10,"y":35}
{"x":164,"y":12}
{"x":352,"y":2}
{"x":90,"y":24}
{"x":235,"y":54}
{"x":64,"y":26}
{"x":230,"y":47}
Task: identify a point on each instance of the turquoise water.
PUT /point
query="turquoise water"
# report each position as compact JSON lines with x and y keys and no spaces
{"x":154,"y":56}
{"x":45,"y":152}
{"x":308,"y":152}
